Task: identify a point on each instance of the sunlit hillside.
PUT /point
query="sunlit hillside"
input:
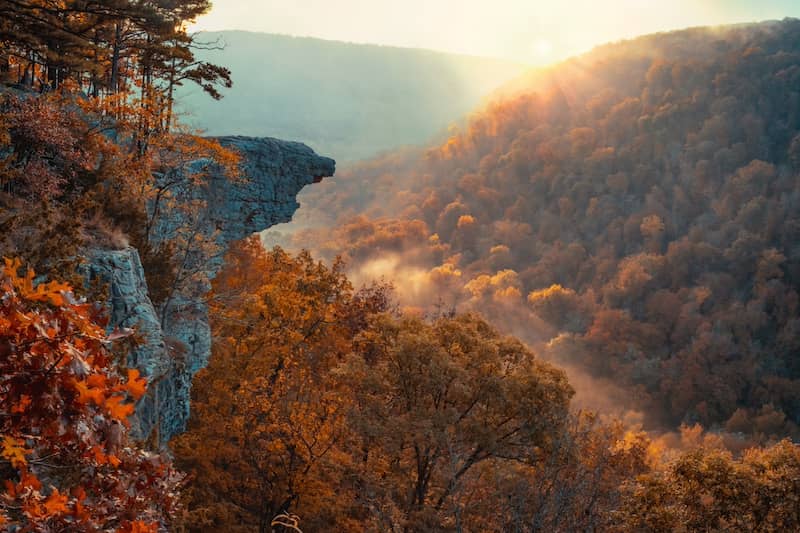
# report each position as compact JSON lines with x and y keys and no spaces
{"x":635,"y":209}
{"x":573,"y":306}
{"x":348,"y":101}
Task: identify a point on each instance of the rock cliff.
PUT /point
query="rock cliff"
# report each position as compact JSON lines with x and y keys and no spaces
{"x":176,"y":341}
{"x":275,"y":172}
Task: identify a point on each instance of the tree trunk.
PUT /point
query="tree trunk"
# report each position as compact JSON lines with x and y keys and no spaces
{"x":170,"y":95}
{"x":113,"y":85}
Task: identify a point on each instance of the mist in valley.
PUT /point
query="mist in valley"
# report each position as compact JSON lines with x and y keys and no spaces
{"x":563,"y":298}
{"x":628,"y":213}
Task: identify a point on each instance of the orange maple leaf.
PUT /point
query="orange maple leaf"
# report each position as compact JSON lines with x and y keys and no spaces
{"x":88,"y":394}
{"x":52,"y":292}
{"x":56,"y":503}
{"x":136,"y":385}
{"x":27,"y":479}
{"x":99,"y":456}
{"x":138,"y":527}
{"x":118,"y":410}
{"x":97,"y":380}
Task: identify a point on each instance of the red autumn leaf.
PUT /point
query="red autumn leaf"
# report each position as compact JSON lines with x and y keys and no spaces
{"x":22,"y":406}
{"x":28,"y":480}
{"x":66,"y":400}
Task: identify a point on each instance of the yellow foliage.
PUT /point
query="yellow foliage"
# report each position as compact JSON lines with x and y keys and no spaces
{"x":14,"y":450}
{"x":267,"y":412}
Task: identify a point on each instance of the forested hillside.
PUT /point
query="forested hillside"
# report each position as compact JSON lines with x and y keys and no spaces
{"x":350,"y":101}
{"x":327,"y":408}
{"x":636,"y":209}
{"x":631,"y":214}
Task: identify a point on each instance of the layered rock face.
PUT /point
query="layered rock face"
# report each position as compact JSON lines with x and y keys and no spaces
{"x":129,"y":307}
{"x":243,"y":208}
{"x":273,"y":173}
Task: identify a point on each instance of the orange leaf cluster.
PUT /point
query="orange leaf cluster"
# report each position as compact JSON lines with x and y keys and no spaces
{"x":68,"y":407}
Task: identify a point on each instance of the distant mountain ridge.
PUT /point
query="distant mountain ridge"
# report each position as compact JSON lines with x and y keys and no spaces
{"x":348,"y":100}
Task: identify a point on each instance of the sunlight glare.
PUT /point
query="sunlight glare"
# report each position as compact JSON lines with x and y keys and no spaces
{"x":542,"y":49}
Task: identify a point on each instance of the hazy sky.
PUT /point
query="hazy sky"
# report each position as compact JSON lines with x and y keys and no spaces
{"x":532,"y":31}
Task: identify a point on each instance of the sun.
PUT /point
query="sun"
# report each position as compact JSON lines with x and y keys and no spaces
{"x":541,"y":49}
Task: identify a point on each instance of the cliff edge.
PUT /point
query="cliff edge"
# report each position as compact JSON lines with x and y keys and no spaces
{"x":175,"y":342}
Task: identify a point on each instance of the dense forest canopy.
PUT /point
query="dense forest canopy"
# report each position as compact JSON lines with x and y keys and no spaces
{"x":634,"y":209}
{"x":349,"y":101}
{"x":630,"y":213}
{"x":327,"y":408}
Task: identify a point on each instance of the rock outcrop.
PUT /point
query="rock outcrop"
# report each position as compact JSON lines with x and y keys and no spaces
{"x":129,"y":307}
{"x":243,"y":208}
{"x":174,"y":348}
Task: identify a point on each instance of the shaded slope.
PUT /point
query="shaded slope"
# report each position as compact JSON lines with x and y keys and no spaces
{"x":348,"y":100}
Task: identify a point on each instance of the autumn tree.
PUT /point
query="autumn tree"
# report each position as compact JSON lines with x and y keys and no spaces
{"x":93,"y":43}
{"x":578,"y":487}
{"x":65,"y":184}
{"x":266,"y":412}
{"x":66,"y":460}
{"x":433,"y":402}
{"x":49,"y":147}
{"x":173,"y":229}
{"x":707,"y":489}
{"x":559,"y":306}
